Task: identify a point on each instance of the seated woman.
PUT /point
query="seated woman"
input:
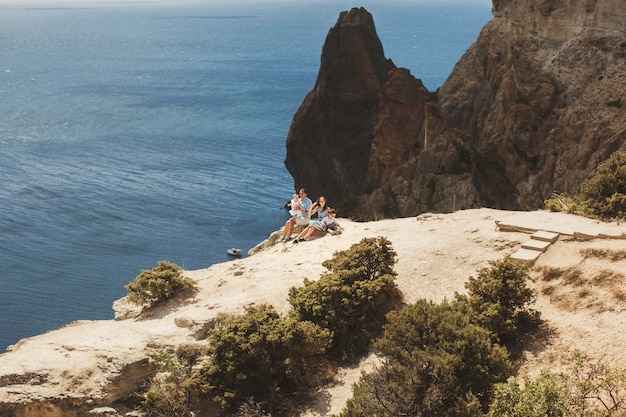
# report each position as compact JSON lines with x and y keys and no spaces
{"x":320,"y":207}
{"x":321,"y":225}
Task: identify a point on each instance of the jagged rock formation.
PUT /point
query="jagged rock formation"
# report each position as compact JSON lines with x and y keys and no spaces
{"x":336,"y":119}
{"x":535,"y":104}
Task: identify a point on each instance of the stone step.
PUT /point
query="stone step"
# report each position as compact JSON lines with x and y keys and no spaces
{"x":526,"y":255}
{"x":545,"y":236}
{"x":538,"y":245}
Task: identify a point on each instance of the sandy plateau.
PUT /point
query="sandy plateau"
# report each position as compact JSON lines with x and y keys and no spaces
{"x":437,"y":253}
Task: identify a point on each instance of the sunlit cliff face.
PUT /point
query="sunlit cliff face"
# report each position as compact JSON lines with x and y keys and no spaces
{"x":560,"y":19}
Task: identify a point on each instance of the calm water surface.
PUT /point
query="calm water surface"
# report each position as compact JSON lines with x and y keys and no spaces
{"x":135,"y":133}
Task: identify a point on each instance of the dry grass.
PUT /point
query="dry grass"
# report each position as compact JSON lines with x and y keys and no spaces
{"x":589,"y":284}
{"x":612,"y":255}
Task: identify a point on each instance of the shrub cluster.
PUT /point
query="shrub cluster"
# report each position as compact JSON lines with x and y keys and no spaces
{"x":587,"y":390}
{"x":436,"y":364}
{"x":264,"y":356}
{"x":603,"y":195}
{"x":159,"y":283}
{"x":353,"y":298}
{"x":262,"y":363}
{"x":443,"y":359}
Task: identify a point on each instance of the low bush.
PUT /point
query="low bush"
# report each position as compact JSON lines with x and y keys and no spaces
{"x":499,"y":300}
{"x":159,"y":283}
{"x":603,"y":195}
{"x":263,"y":359}
{"x":353,"y":298}
{"x":587,"y":389}
{"x":167,"y":396}
{"x":436,"y":364}
{"x":605,"y":191}
{"x":370,"y":258}
{"x":546,"y":395}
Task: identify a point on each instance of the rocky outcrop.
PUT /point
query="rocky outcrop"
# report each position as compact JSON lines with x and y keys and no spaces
{"x":331,"y":134}
{"x":535,"y":104}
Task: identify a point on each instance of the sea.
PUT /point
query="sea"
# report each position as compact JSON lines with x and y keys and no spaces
{"x":138,"y":131}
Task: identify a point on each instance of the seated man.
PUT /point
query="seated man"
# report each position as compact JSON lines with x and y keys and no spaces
{"x":300,"y":216}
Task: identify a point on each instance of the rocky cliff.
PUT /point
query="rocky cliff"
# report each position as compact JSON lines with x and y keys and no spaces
{"x":535,"y":104}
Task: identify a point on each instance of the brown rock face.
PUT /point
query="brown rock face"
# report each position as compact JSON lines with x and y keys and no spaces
{"x":329,"y":143}
{"x":532,"y":108}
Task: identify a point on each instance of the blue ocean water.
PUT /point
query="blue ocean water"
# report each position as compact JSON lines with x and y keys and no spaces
{"x":147,"y":131}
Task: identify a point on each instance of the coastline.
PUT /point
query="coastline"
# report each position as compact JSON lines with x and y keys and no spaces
{"x":104,"y":360}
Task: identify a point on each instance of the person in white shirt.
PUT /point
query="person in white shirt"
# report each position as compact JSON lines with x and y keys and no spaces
{"x":300,"y":216}
{"x":294,"y":205}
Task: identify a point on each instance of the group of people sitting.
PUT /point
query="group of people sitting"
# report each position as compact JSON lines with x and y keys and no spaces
{"x":302,"y":209}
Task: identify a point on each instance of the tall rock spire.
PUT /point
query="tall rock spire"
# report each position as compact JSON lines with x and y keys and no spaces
{"x":329,"y":142}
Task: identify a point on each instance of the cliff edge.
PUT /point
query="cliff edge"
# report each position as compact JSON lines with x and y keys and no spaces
{"x":532,"y":108}
{"x":91,"y":368}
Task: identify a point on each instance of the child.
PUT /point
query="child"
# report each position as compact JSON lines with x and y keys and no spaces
{"x":330,"y":221}
{"x":294,"y":205}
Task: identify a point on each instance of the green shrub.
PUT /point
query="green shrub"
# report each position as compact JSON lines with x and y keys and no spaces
{"x":167,"y":396}
{"x":585,"y":390}
{"x":264,"y":359}
{"x":605,"y":191}
{"x":615,"y":103}
{"x":371,"y":258}
{"x":436,"y":364}
{"x":499,"y":299}
{"x":603,"y":195}
{"x":188,"y":354}
{"x":565,"y":204}
{"x":351,"y":300}
{"x":161,"y":282}
{"x":545,"y":396}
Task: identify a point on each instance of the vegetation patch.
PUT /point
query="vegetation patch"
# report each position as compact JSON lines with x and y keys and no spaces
{"x":262,"y":363}
{"x":159,"y":283}
{"x":573,"y":276}
{"x":265,"y":358}
{"x":601,"y":196}
{"x":437,"y":363}
{"x":551,"y":274}
{"x":612,"y":255}
{"x":448,"y":359}
{"x":167,"y":395}
{"x":441,"y":360}
{"x":615,"y":103}
{"x":353,"y":298}
{"x":499,"y":299}
{"x":572,"y":288}
{"x":586,"y":390}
